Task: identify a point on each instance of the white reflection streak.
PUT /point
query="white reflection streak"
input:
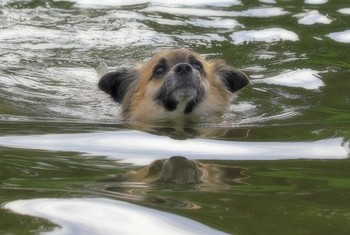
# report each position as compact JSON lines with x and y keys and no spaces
{"x":141,"y":148}
{"x":104,"y":216}
{"x":316,"y":1}
{"x":254,"y":12}
{"x":263,"y":35}
{"x":303,"y":78}
{"x":343,"y":36}
{"x":345,"y":11}
{"x":312,"y":17}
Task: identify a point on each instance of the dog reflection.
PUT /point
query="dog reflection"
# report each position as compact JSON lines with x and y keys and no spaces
{"x":180,"y":170}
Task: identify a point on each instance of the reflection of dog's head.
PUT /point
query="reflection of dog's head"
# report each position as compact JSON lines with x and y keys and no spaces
{"x":174,"y":83}
{"x":180,"y":170}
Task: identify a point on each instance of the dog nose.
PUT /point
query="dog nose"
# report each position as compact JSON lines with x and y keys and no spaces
{"x":183,"y":69}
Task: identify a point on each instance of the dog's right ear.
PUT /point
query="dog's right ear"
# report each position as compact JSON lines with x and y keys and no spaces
{"x":118,"y":83}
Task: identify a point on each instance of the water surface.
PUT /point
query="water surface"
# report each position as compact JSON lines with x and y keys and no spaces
{"x":288,"y":131}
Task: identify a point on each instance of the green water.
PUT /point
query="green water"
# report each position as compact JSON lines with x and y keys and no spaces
{"x":48,"y":93}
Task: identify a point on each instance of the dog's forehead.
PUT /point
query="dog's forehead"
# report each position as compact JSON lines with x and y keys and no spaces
{"x":176,"y":56}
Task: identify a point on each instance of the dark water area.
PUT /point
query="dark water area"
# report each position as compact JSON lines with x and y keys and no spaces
{"x":282,"y":149}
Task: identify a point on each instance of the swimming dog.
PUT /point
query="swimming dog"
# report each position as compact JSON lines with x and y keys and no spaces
{"x":174,"y":83}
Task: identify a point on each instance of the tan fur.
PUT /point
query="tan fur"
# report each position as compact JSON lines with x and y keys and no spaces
{"x":139,"y":103}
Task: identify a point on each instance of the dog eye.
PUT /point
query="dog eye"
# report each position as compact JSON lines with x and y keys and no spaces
{"x":197,"y":66}
{"x":159,"y":70}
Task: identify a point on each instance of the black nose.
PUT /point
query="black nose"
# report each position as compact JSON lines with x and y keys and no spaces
{"x":183,"y":69}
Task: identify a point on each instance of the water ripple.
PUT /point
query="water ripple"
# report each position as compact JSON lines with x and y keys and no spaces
{"x":254,"y":12}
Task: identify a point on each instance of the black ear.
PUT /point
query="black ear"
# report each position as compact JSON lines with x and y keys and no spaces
{"x":117,"y":83}
{"x":232,"y":78}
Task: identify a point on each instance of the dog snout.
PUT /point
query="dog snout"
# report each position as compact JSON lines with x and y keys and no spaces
{"x":183,"y":69}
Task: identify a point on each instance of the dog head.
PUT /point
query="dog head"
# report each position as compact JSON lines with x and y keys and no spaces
{"x":174,"y":83}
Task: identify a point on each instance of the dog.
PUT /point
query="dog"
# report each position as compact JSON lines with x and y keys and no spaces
{"x":173,"y":84}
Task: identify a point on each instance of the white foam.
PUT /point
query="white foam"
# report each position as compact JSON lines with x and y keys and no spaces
{"x":345,"y":11}
{"x":99,"y":216}
{"x":316,"y":2}
{"x":263,"y":35}
{"x":343,"y":36}
{"x":312,"y":17}
{"x":304,"y":78}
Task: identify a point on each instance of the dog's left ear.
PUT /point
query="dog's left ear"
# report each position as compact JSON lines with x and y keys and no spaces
{"x":232,"y":78}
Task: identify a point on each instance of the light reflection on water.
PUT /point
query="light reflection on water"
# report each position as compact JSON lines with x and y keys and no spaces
{"x":294,"y":54}
{"x":142,"y":148}
{"x":105,"y":216}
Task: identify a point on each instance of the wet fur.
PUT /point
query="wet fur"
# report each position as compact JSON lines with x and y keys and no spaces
{"x":190,"y":86}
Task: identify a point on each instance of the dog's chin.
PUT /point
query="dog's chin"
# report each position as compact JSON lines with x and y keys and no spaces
{"x":185,"y":93}
{"x":180,"y":97}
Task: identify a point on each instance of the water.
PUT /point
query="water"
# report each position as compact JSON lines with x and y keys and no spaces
{"x":288,"y":131}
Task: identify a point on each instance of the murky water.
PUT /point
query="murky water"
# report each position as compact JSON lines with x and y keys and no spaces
{"x":288,"y":131}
